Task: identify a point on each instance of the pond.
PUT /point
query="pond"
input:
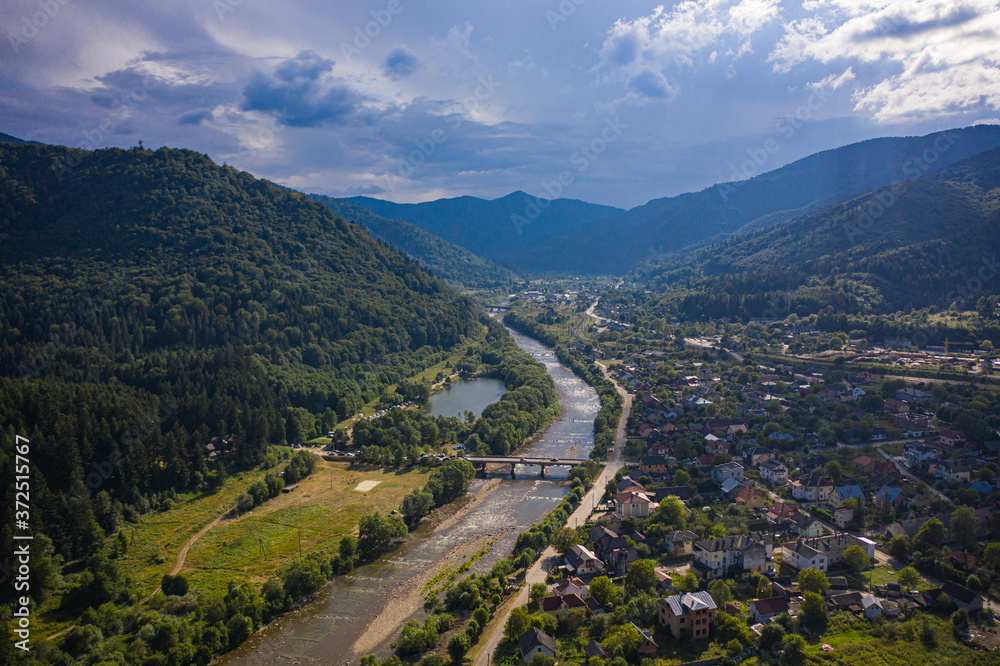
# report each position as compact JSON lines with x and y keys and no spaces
{"x":465,"y":394}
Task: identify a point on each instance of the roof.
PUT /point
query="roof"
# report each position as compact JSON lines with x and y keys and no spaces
{"x":632,"y":497}
{"x":682,"y":604}
{"x":653,"y":460}
{"x":729,"y":466}
{"x":679,"y":536}
{"x":888,"y":493}
{"x":680,"y":492}
{"x":730,"y":484}
{"x":736,"y":542}
{"x":959,"y":593}
{"x":773,"y":465}
{"x":981,"y":486}
{"x":849,"y":492}
{"x":863,"y":461}
{"x":578,"y":555}
{"x":594,"y":649}
{"x":802,"y":519}
{"x":770,"y":606}
{"x":534,"y":637}
{"x":553,"y":603}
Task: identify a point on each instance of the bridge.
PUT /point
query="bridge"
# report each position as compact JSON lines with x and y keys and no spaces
{"x":480,"y":462}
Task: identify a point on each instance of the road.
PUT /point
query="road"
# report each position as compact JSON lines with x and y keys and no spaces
{"x":493,"y":634}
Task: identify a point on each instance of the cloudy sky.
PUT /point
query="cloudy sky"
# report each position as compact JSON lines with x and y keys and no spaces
{"x":625,"y":100}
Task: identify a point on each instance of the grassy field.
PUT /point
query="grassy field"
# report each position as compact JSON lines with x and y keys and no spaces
{"x":323,"y":508}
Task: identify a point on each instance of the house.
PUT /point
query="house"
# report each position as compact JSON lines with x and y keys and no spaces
{"x":889,"y":498}
{"x":715,"y":445}
{"x":680,"y":542}
{"x":981,"y":487}
{"x":953,"y":438}
{"x":911,"y":421}
{"x":878,"y":434}
{"x":963,"y":560}
{"x":727,"y":426}
{"x":962,"y":597}
{"x":620,"y":559}
{"x":821,"y":553}
{"x":914,"y":396}
{"x":781,"y":436}
{"x":813,"y":487}
{"x":659,"y":449}
{"x":780,"y":511}
{"x":574,"y":585}
{"x":841,"y":494}
{"x":653,"y":465}
{"x":595,"y":649}
{"x":635,"y":504}
{"x":894,"y":406}
{"x":680,"y":492}
{"x":705,"y":460}
{"x":535,"y":641}
{"x":842,"y":516}
{"x":648,"y":647}
{"x":583,"y":562}
{"x":557,"y":605}
{"x":730,"y":556}
{"x":730,"y":487}
{"x":729,"y":470}
{"x":687,"y":615}
{"x":599,"y":532}
{"x":773,"y":472}
{"x":954,"y":471}
{"x":763,"y":610}
{"x":864,"y":465}
{"x":805,"y":525}
{"x":752,"y":498}
{"x":871,"y":606}
{"x":755,"y":456}
{"x":918,"y":454}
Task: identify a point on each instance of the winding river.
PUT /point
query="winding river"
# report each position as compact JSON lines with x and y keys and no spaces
{"x":362,"y":612}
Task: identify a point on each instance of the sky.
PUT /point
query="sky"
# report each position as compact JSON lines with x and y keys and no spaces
{"x":613,"y":102}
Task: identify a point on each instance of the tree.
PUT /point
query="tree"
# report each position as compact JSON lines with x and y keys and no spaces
{"x":721,"y":592}
{"x":899,"y":547}
{"x":793,"y":650}
{"x":174,"y":585}
{"x":813,"y":580}
{"x":375,"y":533}
{"x":622,"y":641}
{"x":458,"y":646}
{"x":963,"y":527}
{"x":538,"y":592}
{"x":931,"y":534}
{"x":909,"y":578}
{"x":671,"y":513}
{"x":686,"y":583}
{"x":683,"y":451}
{"x":563,"y":539}
{"x":991,"y":555}
{"x":763,"y":589}
{"x":813,"y":608}
{"x":518,"y":622}
{"x":641,"y":576}
{"x":834,"y":471}
{"x":856,"y":558}
{"x":604,"y":591}
{"x":771,"y":635}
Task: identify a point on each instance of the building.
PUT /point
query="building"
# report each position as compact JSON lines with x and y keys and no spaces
{"x":680,"y":542}
{"x":633,"y":503}
{"x":595,"y":649}
{"x":841,"y":494}
{"x":954,"y":471}
{"x":582,"y":562}
{"x":715,"y":445}
{"x":780,"y":511}
{"x":918,"y":454}
{"x":730,"y":557}
{"x":889,"y":498}
{"x":864,"y":465}
{"x":573,"y":585}
{"x":763,"y":610}
{"x":688,"y":615}
{"x":962,"y":597}
{"x":653,"y":465}
{"x":758,"y":454}
{"x":822,"y":553}
{"x":729,"y":470}
{"x":752,"y":498}
{"x":773,"y":472}
{"x":534,"y":641}
{"x":813,"y":487}
{"x":805,"y":525}
{"x":648,"y":647}
{"x":559,"y":604}
{"x":842,"y":516}
{"x":914,"y":396}
{"x":953,"y":438}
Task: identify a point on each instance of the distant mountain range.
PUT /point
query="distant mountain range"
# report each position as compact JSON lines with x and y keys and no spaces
{"x":576,"y":237}
{"x":505,"y":230}
{"x":928,"y":241}
{"x":458,"y":266}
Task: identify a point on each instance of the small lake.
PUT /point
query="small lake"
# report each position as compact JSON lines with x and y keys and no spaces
{"x":465,"y":394}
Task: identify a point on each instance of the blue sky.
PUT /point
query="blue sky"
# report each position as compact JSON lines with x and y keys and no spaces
{"x":415,"y":101}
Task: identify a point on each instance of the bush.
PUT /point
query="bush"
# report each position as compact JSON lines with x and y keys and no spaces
{"x":174,"y":585}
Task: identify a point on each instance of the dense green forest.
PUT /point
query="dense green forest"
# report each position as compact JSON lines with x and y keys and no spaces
{"x":925,"y":243}
{"x":455,"y":264}
{"x":151,"y":301}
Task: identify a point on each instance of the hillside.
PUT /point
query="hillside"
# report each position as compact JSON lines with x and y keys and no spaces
{"x":615,"y":244}
{"x":150,"y":301}
{"x":7,"y":138}
{"x":458,"y":266}
{"x":504,"y":230}
{"x":926,"y":242}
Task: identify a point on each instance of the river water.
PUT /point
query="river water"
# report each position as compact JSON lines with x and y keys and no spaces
{"x":329,"y":630}
{"x":465,"y":395}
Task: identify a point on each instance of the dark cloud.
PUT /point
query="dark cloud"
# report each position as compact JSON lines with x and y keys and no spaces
{"x":300,"y":94}
{"x":401,"y":63}
{"x":650,"y":84}
{"x":624,"y":50}
{"x":196,"y":117}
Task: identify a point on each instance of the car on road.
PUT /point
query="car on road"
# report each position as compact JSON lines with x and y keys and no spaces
{"x":522,"y":459}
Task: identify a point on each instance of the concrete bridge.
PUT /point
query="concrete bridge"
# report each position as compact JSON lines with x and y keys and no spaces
{"x":480,"y":462}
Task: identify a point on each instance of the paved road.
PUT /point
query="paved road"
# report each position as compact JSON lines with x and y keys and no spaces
{"x":537,"y":573}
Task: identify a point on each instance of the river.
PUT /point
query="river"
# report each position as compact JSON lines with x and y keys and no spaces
{"x":362,"y":612}
{"x":471,"y":395}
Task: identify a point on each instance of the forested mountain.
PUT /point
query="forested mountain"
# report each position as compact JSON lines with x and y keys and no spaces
{"x":926,"y":242}
{"x":7,"y":138}
{"x":505,"y":230}
{"x":455,"y":264}
{"x":614,"y":245}
{"x":153,"y":300}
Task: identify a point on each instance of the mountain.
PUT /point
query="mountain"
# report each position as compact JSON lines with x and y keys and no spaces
{"x":930,"y":241}
{"x":7,"y":138}
{"x":455,"y":264}
{"x":615,"y":244}
{"x":502,"y":230}
{"x":152,"y":300}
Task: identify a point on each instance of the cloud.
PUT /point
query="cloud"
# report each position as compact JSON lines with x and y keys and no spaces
{"x":401,"y":63}
{"x":301,"y":93}
{"x":693,"y":33}
{"x":196,"y":117}
{"x":931,"y":58}
{"x":834,"y":81}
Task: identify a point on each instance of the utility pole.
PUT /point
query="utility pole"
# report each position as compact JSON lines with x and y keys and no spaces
{"x":300,"y":543}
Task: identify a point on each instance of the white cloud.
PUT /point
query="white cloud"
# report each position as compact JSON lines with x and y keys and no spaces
{"x":944,"y":54}
{"x":834,"y":81}
{"x":640,"y":52}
